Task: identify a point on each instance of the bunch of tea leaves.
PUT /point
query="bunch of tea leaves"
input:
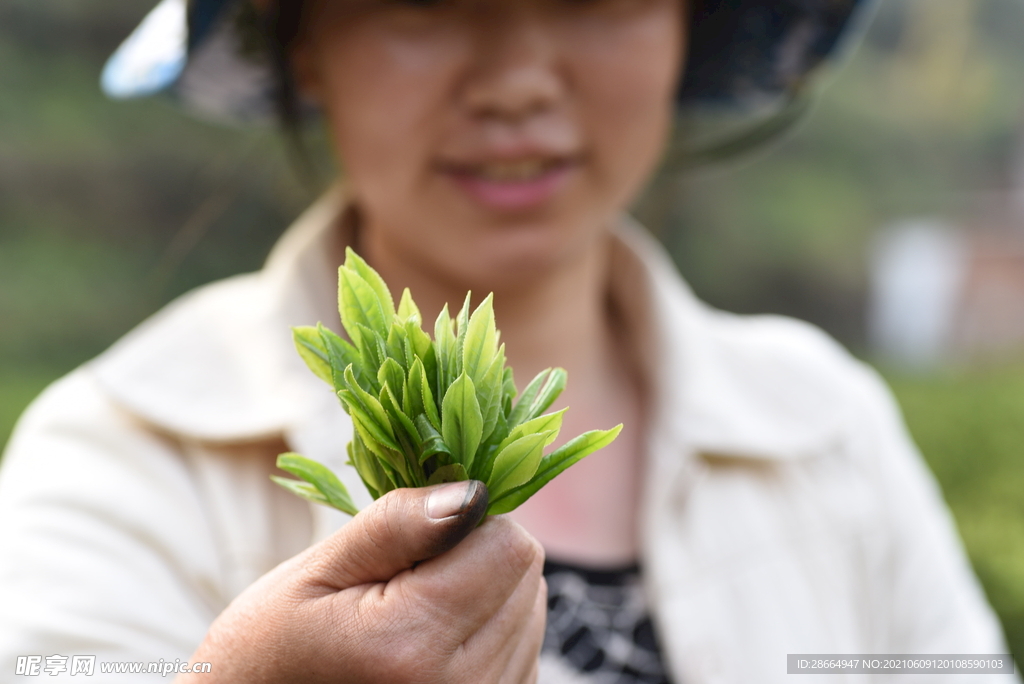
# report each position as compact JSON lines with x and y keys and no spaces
{"x":428,"y":411}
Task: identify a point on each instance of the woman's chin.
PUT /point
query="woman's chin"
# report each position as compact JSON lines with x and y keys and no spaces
{"x":515,"y":256}
{"x":490,"y":250}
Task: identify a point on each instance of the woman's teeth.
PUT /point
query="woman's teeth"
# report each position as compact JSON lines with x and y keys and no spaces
{"x":524,"y":170}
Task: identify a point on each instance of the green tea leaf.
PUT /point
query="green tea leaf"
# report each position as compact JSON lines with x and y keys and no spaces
{"x":312,"y":350}
{"x":384,"y":477}
{"x":372,"y":350}
{"x":444,"y":350}
{"x":552,"y":465}
{"x":392,"y":374}
{"x":419,"y":398}
{"x":449,"y":473}
{"x":418,"y":343}
{"x":407,"y":309}
{"x":431,"y":440}
{"x":412,"y":401}
{"x":528,"y":396}
{"x":366,"y":401}
{"x":400,"y":421}
{"x":430,"y":372}
{"x":396,"y":344}
{"x":489,"y":393}
{"x":548,"y":422}
{"x":461,"y":421}
{"x":538,"y":395}
{"x":408,"y":439}
{"x":489,"y":449}
{"x":367,"y":407}
{"x":302,"y":489}
{"x":429,"y":402}
{"x":374,"y":433}
{"x":355,"y":263}
{"x":368,"y":467}
{"x":341,"y":355}
{"x":360,"y":305}
{"x":391,"y":458}
{"x":508,"y":390}
{"x":461,"y":330}
{"x":428,"y":410}
{"x":480,"y":345}
{"x":321,"y":477}
{"x":516,"y":463}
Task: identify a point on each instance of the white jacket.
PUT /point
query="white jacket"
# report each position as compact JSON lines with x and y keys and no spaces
{"x":786,"y":510}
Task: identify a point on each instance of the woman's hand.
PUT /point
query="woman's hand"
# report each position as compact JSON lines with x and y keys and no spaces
{"x":388,"y":599}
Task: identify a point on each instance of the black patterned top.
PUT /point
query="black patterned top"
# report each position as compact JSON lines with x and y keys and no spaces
{"x":599,"y":630}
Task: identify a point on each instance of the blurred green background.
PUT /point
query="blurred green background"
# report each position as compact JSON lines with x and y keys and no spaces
{"x":109,"y":210}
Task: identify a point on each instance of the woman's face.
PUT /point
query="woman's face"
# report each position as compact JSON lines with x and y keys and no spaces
{"x":489,"y":140}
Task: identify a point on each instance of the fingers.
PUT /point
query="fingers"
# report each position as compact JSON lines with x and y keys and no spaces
{"x":506,"y":649}
{"x":494,"y":575}
{"x":397,"y":531}
{"x":476,"y":608}
{"x":522,"y":665}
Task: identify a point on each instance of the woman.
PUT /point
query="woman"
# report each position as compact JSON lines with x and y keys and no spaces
{"x":763,"y":481}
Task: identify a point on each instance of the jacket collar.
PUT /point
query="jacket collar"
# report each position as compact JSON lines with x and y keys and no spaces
{"x":218,"y":364}
{"x":731,"y":386}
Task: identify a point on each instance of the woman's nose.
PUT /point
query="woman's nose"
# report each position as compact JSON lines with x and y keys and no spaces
{"x":515,"y":72}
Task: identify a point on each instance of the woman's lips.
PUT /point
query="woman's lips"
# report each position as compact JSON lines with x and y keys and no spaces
{"x":513,"y":185}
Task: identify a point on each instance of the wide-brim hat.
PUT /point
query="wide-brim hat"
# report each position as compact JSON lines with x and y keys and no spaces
{"x":744,"y":55}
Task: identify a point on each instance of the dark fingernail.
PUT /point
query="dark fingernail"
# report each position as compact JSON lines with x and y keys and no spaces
{"x":451,"y":499}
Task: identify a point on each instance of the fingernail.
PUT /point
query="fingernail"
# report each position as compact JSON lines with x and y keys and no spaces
{"x":450,"y":499}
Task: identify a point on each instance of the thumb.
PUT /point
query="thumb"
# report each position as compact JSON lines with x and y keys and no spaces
{"x":400,"y":529}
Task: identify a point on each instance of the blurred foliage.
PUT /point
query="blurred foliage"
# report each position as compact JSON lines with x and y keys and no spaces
{"x":923,"y":120}
{"x":103,"y":204}
{"x":110,"y":209}
{"x":970,"y":426}
{"x":19,"y":386}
